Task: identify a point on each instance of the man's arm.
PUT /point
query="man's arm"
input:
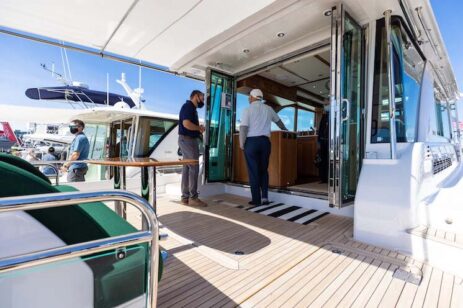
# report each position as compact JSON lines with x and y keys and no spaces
{"x":280,"y":124}
{"x":192,"y":126}
{"x":277,"y":120}
{"x":244,"y":127}
{"x":74,"y":156}
{"x":243,"y":135}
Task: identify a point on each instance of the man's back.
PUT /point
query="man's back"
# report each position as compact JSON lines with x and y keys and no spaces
{"x":258,"y":117}
{"x":49,"y":170}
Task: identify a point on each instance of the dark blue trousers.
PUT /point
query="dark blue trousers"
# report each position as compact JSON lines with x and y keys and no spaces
{"x":257,"y":153}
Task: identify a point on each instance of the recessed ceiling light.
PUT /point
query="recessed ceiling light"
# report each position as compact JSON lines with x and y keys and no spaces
{"x":246,"y":50}
{"x":328,"y":12}
{"x":281,"y":34}
{"x":314,"y":86}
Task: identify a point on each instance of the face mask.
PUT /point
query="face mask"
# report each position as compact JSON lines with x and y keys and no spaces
{"x":200,"y":104}
{"x":73,"y":129}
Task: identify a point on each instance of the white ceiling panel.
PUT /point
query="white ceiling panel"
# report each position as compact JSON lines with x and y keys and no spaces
{"x":84,"y":22}
{"x":309,"y":68}
{"x":320,"y":88}
{"x":282,"y":76}
{"x":208,"y":19}
{"x":148,"y":20}
{"x":305,"y":19}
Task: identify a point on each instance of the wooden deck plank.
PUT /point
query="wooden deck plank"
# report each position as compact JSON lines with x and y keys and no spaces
{"x":377,"y":295}
{"x":423,"y":288}
{"x":336,"y":291}
{"x":274,"y":276}
{"x":359,"y":285}
{"x":445,"y":296}
{"x":284,"y":283}
{"x":297,"y":267}
{"x":432,"y":294}
{"x":243,"y":291}
{"x":335,"y":263}
{"x":457,"y":293}
{"x":409,"y":291}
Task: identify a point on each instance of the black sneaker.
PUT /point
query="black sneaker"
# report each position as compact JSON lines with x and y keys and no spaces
{"x":266,"y":202}
{"x":252,"y":203}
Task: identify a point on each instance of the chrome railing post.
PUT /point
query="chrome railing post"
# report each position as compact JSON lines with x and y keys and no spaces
{"x":391,"y":84}
{"x":34,"y":202}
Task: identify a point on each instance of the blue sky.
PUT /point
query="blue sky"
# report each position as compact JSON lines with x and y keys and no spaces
{"x":20,"y":68}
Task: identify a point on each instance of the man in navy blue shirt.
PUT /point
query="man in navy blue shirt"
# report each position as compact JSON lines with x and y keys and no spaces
{"x":79,"y":150}
{"x":189,"y":132}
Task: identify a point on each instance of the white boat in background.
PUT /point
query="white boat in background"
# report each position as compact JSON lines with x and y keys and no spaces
{"x":395,"y":176}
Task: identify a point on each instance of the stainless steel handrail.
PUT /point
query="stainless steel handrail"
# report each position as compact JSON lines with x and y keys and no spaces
{"x":391,"y":84}
{"x":72,"y":251}
{"x":52,"y":164}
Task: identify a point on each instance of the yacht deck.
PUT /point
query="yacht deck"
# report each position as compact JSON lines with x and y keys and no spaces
{"x":223,"y":255}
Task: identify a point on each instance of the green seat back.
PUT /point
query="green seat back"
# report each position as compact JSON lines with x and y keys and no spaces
{"x":23,"y":164}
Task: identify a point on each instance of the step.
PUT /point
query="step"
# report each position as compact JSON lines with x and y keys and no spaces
{"x":440,"y":248}
{"x":438,"y":235}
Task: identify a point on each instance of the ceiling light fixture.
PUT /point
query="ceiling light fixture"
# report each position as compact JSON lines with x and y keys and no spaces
{"x":328,"y":13}
{"x":281,"y":34}
{"x":246,"y":50}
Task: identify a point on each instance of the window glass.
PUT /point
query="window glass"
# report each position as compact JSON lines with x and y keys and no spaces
{"x":242,"y":101}
{"x":408,"y":71}
{"x":442,"y":116}
{"x":158,"y":127}
{"x":305,"y":120}
{"x":151,"y":131}
{"x":454,"y":120}
{"x":287,"y":117}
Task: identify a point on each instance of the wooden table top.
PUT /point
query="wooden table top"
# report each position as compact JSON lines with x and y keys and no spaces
{"x":140,"y":162}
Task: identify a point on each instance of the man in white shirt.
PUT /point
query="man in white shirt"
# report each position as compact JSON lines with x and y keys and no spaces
{"x":256,"y":121}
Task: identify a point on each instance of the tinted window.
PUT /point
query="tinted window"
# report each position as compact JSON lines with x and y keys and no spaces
{"x":442,"y":117}
{"x":158,"y":127}
{"x":408,"y":71}
{"x":287,"y":117}
{"x":305,"y":120}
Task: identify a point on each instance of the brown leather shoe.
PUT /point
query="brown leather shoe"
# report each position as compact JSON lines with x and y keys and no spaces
{"x":184,"y":201}
{"x":197,"y":202}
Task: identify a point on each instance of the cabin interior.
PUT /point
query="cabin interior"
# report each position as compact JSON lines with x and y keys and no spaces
{"x":298,"y":90}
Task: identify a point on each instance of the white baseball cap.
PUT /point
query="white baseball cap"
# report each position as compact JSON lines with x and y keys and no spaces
{"x":257,"y":93}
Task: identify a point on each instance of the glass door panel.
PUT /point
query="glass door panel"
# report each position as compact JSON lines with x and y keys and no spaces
{"x":351,"y":102}
{"x":219,"y":120}
{"x":346,"y":108}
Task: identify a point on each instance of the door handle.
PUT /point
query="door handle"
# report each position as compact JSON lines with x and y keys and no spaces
{"x":346,"y":101}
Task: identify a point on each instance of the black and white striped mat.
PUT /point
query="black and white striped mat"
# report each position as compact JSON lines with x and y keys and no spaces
{"x":292,"y":213}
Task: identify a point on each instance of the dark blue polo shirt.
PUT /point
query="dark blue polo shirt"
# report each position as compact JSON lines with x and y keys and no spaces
{"x":188,"y":112}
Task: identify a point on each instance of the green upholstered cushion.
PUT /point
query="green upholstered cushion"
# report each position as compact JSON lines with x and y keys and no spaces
{"x":109,"y":221}
{"x":80,"y":223}
{"x":23,"y":164}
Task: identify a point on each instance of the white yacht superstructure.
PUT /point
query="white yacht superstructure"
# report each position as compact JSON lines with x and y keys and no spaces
{"x":394,"y":149}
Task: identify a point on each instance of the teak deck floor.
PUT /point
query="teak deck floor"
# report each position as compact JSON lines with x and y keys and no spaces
{"x":284,"y":264}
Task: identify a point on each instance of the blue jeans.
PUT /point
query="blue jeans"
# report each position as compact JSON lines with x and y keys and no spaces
{"x":257,"y":152}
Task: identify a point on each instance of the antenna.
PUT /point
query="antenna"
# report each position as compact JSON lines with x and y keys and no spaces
{"x":67,"y":62}
{"x":107,"y":88}
{"x":139,"y":75}
{"x":64,"y":65}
